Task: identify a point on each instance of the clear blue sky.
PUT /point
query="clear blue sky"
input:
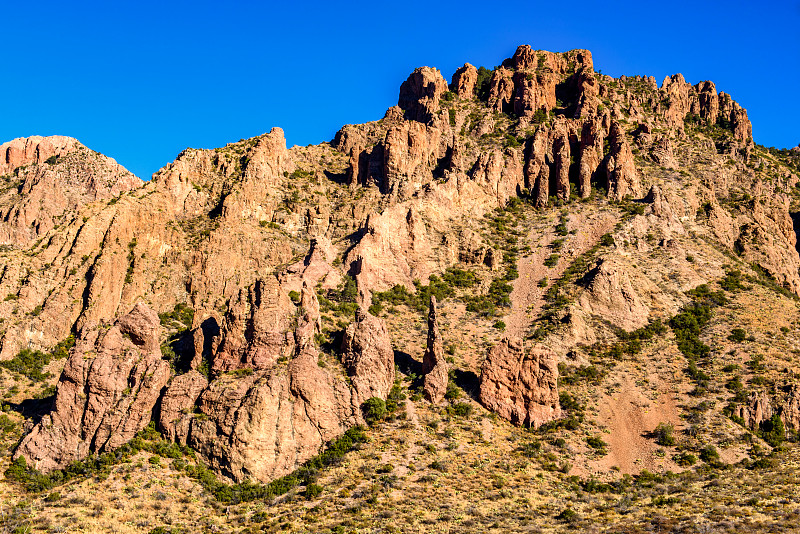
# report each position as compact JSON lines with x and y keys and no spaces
{"x":140,"y":81}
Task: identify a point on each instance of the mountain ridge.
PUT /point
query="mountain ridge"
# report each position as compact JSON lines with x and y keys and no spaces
{"x":543,"y":215}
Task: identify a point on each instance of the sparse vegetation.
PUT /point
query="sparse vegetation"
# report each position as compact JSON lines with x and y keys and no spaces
{"x":30,"y":363}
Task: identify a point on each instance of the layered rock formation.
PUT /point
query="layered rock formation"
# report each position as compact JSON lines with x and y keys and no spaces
{"x":518,"y":386}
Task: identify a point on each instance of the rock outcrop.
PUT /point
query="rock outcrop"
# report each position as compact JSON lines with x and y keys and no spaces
{"x":262,"y":425}
{"x":623,"y":180}
{"x":368,"y":357}
{"x":760,"y":406}
{"x":45,"y":180}
{"x":34,"y":150}
{"x":256,"y":328}
{"x":520,"y":387}
{"x":434,"y":367}
{"x":177,"y":403}
{"x":420,"y":94}
{"x":277,"y":408}
{"x":464,"y":80}
{"x":106,"y":394}
{"x":610,"y":294}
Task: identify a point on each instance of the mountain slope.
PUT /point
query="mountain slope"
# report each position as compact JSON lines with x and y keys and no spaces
{"x":46,"y":180}
{"x":595,"y":246}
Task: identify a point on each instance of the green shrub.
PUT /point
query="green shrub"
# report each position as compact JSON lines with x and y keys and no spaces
{"x":773,"y":431}
{"x":313,"y":491}
{"x":597,"y":443}
{"x":453,"y":392}
{"x":342,"y":300}
{"x":461,"y":409}
{"x":482,"y":83}
{"x":551,"y":260}
{"x":664,"y":434}
{"x":568,"y":516}
{"x":738,"y":335}
{"x":181,"y":317}
{"x":374,"y":410}
{"x":685,"y":459}
{"x":30,"y":363}
{"x":607,"y":240}
{"x":294,"y":296}
{"x":709,"y":454}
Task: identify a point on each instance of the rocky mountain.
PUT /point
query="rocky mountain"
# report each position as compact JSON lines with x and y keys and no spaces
{"x":541,"y":244}
{"x":47,"y":180}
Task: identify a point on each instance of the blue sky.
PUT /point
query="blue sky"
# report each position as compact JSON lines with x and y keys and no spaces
{"x":140,"y":81}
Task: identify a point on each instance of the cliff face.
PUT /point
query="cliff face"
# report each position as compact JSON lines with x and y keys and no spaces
{"x":47,"y":180}
{"x":275,"y":249}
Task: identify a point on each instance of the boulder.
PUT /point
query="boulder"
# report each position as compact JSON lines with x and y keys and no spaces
{"x":610,"y":294}
{"x":520,"y":387}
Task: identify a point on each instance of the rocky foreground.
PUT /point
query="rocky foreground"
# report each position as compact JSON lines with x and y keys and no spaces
{"x":537,"y":222}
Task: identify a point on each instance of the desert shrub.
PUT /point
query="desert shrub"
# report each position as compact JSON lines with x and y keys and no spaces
{"x":773,"y":431}
{"x":539,"y":116}
{"x":551,"y":260}
{"x":570,"y":374}
{"x":313,"y":491}
{"x":460,"y":277}
{"x":732,"y":281}
{"x":342,"y":300}
{"x":568,"y":516}
{"x":685,"y":459}
{"x":374,"y":410}
{"x":597,"y":443}
{"x":453,"y":392}
{"x":30,"y":363}
{"x":709,"y":454}
{"x":461,"y":409}
{"x":482,"y":83}
{"x":181,"y":317}
{"x":664,"y":434}
{"x":738,"y":335}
